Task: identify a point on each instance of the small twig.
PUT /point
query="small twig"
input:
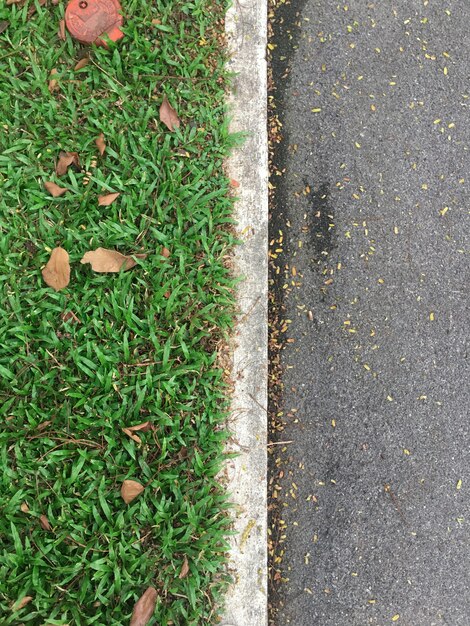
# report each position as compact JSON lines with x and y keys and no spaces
{"x":279,"y":443}
{"x":105,"y":72}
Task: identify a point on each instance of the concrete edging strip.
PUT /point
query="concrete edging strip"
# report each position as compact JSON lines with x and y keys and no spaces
{"x":246,"y":600}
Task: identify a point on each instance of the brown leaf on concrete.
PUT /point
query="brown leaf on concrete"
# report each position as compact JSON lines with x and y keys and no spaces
{"x":130,"y":489}
{"x":101,"y":144}
{"x":22,"y":603}
{"x":144,"y":608}
{"x":103,"y":260}
{"x":57,"y":271}
{"x":168,"y":115}
{"x":184,"y":568}
{"x":107,"y":199}
{"x":54,"y":189}
{"x":82,"y":63}
{"x":66,"y":159}
{"x":44,"y":522}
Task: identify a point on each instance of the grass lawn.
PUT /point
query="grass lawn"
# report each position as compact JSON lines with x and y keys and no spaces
{"x":113,"y":350}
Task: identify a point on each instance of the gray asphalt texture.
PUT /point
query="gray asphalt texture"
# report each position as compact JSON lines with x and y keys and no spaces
{"x":371,"y":499}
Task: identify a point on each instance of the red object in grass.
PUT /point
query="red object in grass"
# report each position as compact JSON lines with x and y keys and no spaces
{"x":88,"y":20}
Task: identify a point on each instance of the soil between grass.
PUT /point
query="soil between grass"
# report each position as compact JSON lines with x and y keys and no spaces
{"x":113,"y":350}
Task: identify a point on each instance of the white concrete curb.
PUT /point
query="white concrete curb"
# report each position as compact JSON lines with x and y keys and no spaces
{"x":246,"y":601}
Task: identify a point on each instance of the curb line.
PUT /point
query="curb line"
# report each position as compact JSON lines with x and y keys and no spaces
{"x":246,"y":599}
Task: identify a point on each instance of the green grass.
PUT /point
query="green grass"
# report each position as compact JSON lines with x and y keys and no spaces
{"x":145,"y":344}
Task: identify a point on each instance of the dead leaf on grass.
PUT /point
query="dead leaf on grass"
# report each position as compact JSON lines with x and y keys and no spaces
{"x":44,"y":522}
{"x":101,"y":144}
{"x":168,"y":115}
{"x":144,"y":608}
{"x":3,"y":25}
{"x":130,"y":489}
{"x":22,"y":603}
{"x":103,"y":260}
{"x":24,"y":507}
{"x":131,"y":430}
{"x":57,"y":271}
{"x":61,"y":32}
{"x":13,"y":2}
{"x":69,"y":316}
{"x":184,"y":568}
{"x":54,"y":189}
{"x":53,"y":82}
{"x":66,"y":159}
{"x":165,"y":252}
{"x":82,"y":63}
{"x":107,"y":199}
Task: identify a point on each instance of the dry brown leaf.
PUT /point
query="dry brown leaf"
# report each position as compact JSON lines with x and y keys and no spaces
{"x":4,"y":24}
{"x":82,"y":63}
{"x":53,"y":83}
{"x":165,"y":252}
{"x":130,"y":490}
{"x":144,"y":608}
{"x":130,"y":434}
{"x":44,"y":522}
{"x":184,"y":568}
{"x":107,"y":199}
{"x":57,"y":271}
{"x":54,"y":189}
{"x":101,"y":144}
{"x":103,"y":260}
{"x":61,"y":32}
{"x":22,"y":603}
{"x":69,"y":316}
{"x":13,"y":2}
{"x":24,"y":507}
{"x":131,"y":430}
{"x":168,"y":115}
{"x":66,"y":159}
{"x":234,"y":183}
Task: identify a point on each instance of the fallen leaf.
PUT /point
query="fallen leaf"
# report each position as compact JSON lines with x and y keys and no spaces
{"x":44,"y":522}
{"x":130,"y":434}
{"x":24,"y":507}
{"x":184,"y":568}
{"x":107,"y":199}
{"x":69,"y":316}
{"x":22,"y":603}
{"x":66,"y":159}
{"x":81,"y":64}
{"x":53,"y":83}
{"x":167,"y":294}
{"x":130,"y":490}
{"x":3,"y":25}
{"x":168,"y":115}
{"x":103,"y":260}
{"x":13,"y":2}
{"x":61,"y":32}
{"x":144,"y":608}
{"x":234,"y":183}
{"x":54,"y":189}
{"x":131,"y":430}
{"x":165,"y":252}
{"x":57,"y":271}
{"x":100,"y":144}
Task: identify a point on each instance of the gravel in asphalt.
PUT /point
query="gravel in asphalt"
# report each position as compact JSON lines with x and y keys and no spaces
{"x":370,"y":502}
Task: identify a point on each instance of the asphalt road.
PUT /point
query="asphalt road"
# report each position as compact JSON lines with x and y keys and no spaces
{"x":370,"y":227}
